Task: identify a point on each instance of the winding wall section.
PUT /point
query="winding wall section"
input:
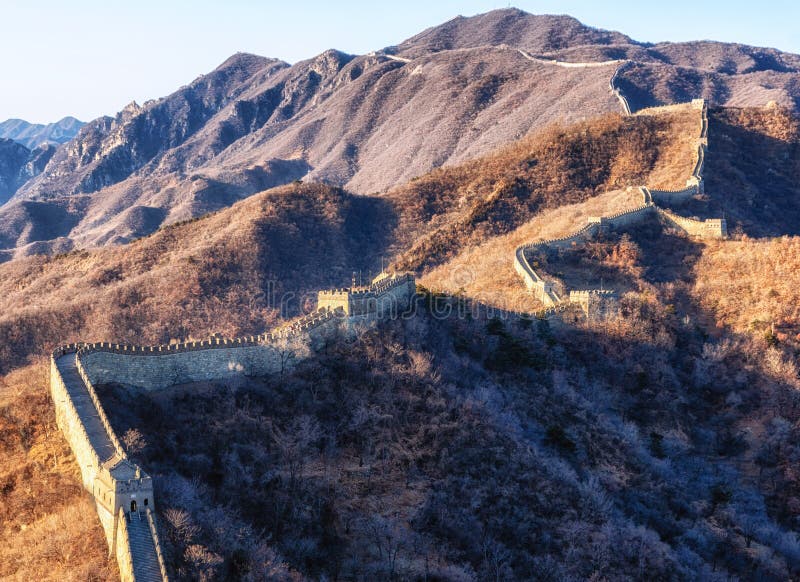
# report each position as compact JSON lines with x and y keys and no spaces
{"x":122,"y":491}
{"x":709,"y":228}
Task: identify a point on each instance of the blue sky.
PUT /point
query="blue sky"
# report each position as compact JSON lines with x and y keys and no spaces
{"x":91,"y":57}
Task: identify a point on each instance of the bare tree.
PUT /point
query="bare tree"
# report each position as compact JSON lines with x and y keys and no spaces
{"x":289,"y":349}
{"x":134,"y":441}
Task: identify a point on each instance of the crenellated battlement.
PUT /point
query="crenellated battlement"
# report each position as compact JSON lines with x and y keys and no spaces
{"x":596,"y":299}
{"x":385,"y":293}
{"x":122,"y":491}
{"x":708,"y":228}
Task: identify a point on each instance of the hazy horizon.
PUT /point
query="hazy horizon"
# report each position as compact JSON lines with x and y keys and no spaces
{"x":91,"y":58}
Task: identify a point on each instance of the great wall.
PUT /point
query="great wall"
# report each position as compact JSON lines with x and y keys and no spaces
{"x":123,"y":493}
{"x":596,"y":300}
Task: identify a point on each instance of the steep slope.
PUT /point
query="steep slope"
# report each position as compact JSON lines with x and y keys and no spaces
{"x":336,"y":118}
{"x":453,"y":208}
{"x":367,"y":123}
{"x":33,"y":135}
{"x":13,"y":157}
{"x":107,"y":150}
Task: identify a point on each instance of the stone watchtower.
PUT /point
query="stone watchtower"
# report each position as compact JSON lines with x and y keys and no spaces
{"x":595,"y":303}
{"x":385,"y":296}
{"x":120,"y":484}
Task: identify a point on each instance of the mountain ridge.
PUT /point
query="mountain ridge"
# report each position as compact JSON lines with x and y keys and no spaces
{"x":33,"y":135}
{"x":364,"y":122}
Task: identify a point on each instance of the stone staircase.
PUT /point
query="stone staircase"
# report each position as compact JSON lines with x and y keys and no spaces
{"x":105,"y":470}
{"x":87,"y":411}
{"x":143,"y":550}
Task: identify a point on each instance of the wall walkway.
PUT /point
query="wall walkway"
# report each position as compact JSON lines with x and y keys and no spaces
{"x":122,"y":491}
{"x":594,"y":300}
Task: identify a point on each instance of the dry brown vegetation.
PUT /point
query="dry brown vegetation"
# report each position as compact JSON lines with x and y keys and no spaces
{"x":670,"y":397}
{"x":485,"y":271}
{"x":190,"y":280}
{"x":451,"y":208}
{"x":48,"y":525}
{"x":752,"y":286}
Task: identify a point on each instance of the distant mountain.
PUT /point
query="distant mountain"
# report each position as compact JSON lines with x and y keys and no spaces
{"x":13,"y":157}
{"x":18,"y":165}
{"x":366,"y":123}
{"x":32,"y":135}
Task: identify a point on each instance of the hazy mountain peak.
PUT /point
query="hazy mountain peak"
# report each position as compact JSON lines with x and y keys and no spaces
{"x":32,"y":135}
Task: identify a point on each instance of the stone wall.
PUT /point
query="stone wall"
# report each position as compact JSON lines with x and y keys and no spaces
{"x":158,"y":367}
{"x":674,"y":197}
{"x":570,"y":64}
{"x":122,"y":547}
{"x":113,"y":480}
{"x":384,"y":297}
{"x":153,"y":371}
{"x":71,"y":425}
{"x":593,"y":301}
{"x":544,"y":290}
{"x":106,"y":473}
{"x":711,"y":228}
{"x":615,"y":90}
{"x":596,"y":300}
{"x":624,"y":218}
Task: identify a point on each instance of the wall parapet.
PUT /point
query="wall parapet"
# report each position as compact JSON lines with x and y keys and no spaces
{"x":544,"y":289}
{"x":101,"y":413}
{"x":710,"y":228}
{"x":159,"y":554}
{"x":122,"y":547}
{"x":675,"y":196}
{"x":107,"y":473}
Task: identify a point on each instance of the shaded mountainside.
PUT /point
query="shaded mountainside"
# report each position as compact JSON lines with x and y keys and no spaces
{"x":366,"y":123}
{"x":18,"y":164}
{"x":33,"y":135}
{"x":13,"y":157}
{"x":658,"y":441}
